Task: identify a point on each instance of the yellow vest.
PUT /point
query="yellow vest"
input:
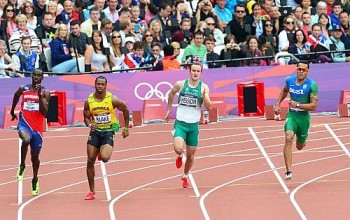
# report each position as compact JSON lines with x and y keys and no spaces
{"x":103,"y":112}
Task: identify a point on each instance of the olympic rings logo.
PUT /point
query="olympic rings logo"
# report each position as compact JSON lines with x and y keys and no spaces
{"x":150,"y":91}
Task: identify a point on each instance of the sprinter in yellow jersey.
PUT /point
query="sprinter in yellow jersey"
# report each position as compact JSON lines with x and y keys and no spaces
{"x":99,"y":116}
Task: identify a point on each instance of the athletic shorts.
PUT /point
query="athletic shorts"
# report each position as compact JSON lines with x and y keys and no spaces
{"x":188,"y":131}
{"x":36,"y":140}
{"x":98,"y":138}
{"x":299,"y":123}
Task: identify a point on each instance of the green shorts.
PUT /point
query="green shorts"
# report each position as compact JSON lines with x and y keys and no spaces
{"x":188,"y":131}
{"x":299,"y":123}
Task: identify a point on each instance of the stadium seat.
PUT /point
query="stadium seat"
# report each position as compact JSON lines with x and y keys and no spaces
{"x":181,"y":54}
{"x":47,"y":53}
{"x":81,"y":63}
{"x":218,"y":49}
{"x":284,"y":58}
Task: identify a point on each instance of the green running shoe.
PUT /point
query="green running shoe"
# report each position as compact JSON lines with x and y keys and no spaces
{"x":35,"y":188}
{"x":20,"y":173}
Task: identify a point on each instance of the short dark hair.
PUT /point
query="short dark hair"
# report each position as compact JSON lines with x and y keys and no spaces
{"x":100,"y":77}
{"x":138,"y":45}
{"x":124,"y":10}
{"x":94,"y":9}
{"x":209,"y":38}
{"x":197,"y":64}
{"x":168,"y":50}
{"x":46,"y":13}
{"x":198,"y":32}
{"x":156,"y":44}
{"x":295,"y":36}
{"x":38,"y":71}
{"x":79,"y":4}
{"x":26,"y":38}
{"x":74,"y":22}
{"x":303,"y":62}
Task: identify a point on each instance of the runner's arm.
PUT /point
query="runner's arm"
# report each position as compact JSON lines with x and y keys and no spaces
{"x":283,"y":95}
{"x":176,"y":88}
{"x":44,"y":102}
{"x":312,"y":105}
{"x":15,"y":100}
{"x":206,"y":98}
{"x":121,"y":106}
{"x":87,"y":114}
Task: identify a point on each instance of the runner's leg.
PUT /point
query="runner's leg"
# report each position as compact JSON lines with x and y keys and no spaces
{"x":90,"y":167}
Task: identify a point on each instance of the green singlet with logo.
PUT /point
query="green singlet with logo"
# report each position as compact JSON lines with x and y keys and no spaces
{"x":190,"y":101}
{"x":298,"y":120}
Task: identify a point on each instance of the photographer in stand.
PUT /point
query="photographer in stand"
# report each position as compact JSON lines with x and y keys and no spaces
{"x":204,"y":11}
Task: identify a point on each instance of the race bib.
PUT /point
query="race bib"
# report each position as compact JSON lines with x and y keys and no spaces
{"x":189,"y":101}
{"x":297,"y":109}
{"x":31,"y":106}
{"x":102,"y":118}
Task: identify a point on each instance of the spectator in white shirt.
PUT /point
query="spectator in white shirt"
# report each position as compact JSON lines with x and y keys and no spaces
{"x":5,"y":61}
{"x":111,"y":11}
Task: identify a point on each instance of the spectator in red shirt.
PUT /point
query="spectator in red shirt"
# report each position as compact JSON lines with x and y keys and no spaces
{"x":68,"y":8}
{"x":169,"y":60}
{"x":179,"y":36}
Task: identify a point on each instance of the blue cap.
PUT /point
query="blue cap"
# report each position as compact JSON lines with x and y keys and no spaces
{"x":336,"y":27}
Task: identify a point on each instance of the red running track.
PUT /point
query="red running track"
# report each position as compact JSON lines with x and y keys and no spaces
{"x":238,"y":174}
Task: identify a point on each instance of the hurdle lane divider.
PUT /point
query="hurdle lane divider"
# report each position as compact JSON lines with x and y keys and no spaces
{"x":336,"y":138}
{"x":194,"y":185}
{"x":20,"y":183}
{"x":105,"y":180}
{"x":267,"y":158}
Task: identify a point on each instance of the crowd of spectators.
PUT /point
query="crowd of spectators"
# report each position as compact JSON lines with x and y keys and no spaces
{"x":71,"y":36}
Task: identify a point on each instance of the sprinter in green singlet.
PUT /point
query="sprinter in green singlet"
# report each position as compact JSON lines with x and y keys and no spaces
{"x":303,"y":93}
{"x":193,"y":93}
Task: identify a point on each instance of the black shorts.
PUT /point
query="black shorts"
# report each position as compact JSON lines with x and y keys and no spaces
{"x":99,"y":138}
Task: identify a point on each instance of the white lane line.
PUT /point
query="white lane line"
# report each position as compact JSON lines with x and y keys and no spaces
{"x":292,"y":194}
{"x":338,"y":140}
{"x":20,"y":210}
{"x":194,"y":185}
{"x":111,"y":204}
{"x":67,"y":186}
{"x":201,"y":201}
{"x":163,"y":131}
{"x":268,"y":160}
{"x":20,"y":183}
{"x":105,"y":180}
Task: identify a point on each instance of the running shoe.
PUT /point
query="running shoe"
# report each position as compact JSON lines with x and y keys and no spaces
{"x":178,"y":162}
{"x":90,"y":196}
{"x":185,"y":183}
{"x":289,"y":175}
{"x":35,"y":188}
{"x":20,"y":173}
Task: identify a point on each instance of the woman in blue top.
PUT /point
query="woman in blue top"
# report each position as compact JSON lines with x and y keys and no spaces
{"x":95,"y":54}
{"x":61,"y":59}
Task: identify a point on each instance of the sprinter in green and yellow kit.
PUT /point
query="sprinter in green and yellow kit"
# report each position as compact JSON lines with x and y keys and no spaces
{"x":99,"y":116}
{"x":193,"y":93}
{"x":303,"y":93}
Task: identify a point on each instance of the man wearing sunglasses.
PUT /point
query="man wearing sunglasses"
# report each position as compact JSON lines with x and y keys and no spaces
{"x":238,"y":25}
{"x":303,"y":93}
